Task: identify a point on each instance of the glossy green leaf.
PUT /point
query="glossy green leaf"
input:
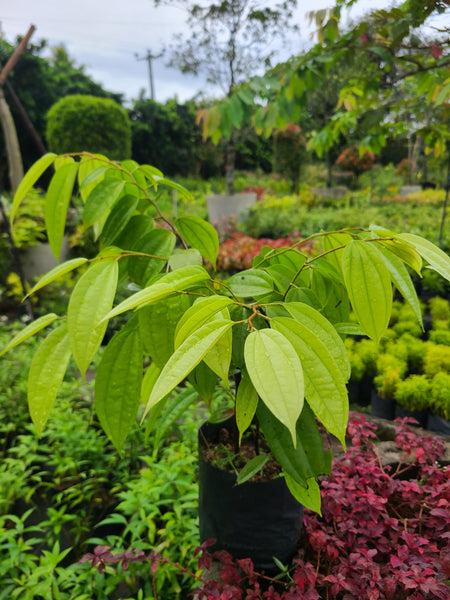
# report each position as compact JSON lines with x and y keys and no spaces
{"x":56,"y":204}
{"x":325,"y":388}
{"x":30,"y":330}
{"x":174,"y":410}
{"x":438,"y":260}
{"x":87,"y":166}
{"x":46,"y":374}
{"x":148,"y":382}
{"x":101,"y":200}
{"x":136,"y":227}
{"x":183,"y":258}
{"x":204,"y":381}
{"x":252,"y":468}
{"x":348,"y":329}
{"x":304,"y":460}
{"x":322,"y":328}
{"x":186,"y":358}
{"x":118,"y":219}
{"x":368,"y":282}
{"x":157,"y":324}
{"x":151,"y":173}
{"x":277,"y":375}
{"x":333,"y":244}
{"x":251,"y":283}
{"x":401,"y":248}
{"x":30,"y":178}
{"x":118,"y":384}
{"x":402,"y":280}
{"x":201,"y":235}
{"x":309,"y":496}
{"x":246,"y":404}
{"x":218,"y":358}
{"x":158,"y":244}
{"x":58,"y":272}
{"x":90,"y":302}
{"x":185,"y":277}
{"x":203,"y":310}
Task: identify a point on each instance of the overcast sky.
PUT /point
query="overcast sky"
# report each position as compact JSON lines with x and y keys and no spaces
{"x":106,"y":36}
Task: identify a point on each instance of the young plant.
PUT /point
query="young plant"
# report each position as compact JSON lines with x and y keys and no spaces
{"x":440,"y":395}
{"x":275,"y":329}
{"x":413,"y":393}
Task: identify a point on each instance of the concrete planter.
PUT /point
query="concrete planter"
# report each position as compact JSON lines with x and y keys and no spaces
{"x":37,"y":260}
{"x":221,"y":208}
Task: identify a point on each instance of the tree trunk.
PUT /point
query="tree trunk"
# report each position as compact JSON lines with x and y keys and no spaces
{"x":231,"y":159}
{"x":12,"y":144}
{"x":329,"y":170}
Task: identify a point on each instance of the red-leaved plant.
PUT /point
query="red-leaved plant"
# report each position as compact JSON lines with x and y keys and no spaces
{"x":384,"y":533}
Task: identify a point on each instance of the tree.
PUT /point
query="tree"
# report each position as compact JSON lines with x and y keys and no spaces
{"x":228,"y":41}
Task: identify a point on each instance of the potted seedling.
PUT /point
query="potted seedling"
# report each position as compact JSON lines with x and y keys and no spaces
{"x":272,"y":334}
{"x":439,"y":415}
{"x":412,"y":396}
{"x":391,"y":370}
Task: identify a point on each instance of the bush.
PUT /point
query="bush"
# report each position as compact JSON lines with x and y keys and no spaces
{"x":440,"y":395}
{"x":86,"y":123}
{"x":437,"y":359}
{"x":413,"y":393}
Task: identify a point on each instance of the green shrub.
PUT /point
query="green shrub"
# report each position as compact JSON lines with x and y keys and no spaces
{"x":440,"y":395}
{"x":386,"y":382}
{"x":439,"y":309}
{"x":86,"y":123}
{"x":416,"y":351}
{"x":368,"y":353}
{"x":437,"y":359}
{"x":440,"y":336}
{"x":413,"y":393}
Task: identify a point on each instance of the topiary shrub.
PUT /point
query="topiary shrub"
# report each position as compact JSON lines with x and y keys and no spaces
{"x":86,"y":123}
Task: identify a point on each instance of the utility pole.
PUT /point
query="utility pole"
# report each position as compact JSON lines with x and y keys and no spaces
{"x":149,"y":58}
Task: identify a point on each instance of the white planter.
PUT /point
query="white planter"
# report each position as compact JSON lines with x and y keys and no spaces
{"x":37,"y":260}
{"x":222,"y":208}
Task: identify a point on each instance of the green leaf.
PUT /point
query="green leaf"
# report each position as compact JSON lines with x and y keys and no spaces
{"x":87,"y":166}
{"x":253,"y":467}
{"x":159,"y":245}
{"x":204,"y":381}
{"x":401,"y":248}
{"x":308,"y":496}
{"x":402,"y":280}
{"x":335,"y":241}
{"x":101,"y":200}
{"x":148,"y":382}
{"x":90,"y":302}
{"x":369,"y":287}
{"x":246,"y":404}
{"x":348,"y":329}
{"x":304,"y":460}
{"x":277,"y":375}
{"x":325,"y":388}
{"x":186,"y":358}
{"x":174,"y":410}
{"x":438,"y":260}
{"x":118,"y":384}
{"x":56,"y":204}
{"x":30,"y":330}
{"x":57,"y":272}
{"x":118,"y":219}
{"x":180,"y":279}
{"x":183,"y":258}
{"x":157,"y":324}
{"x":46,"y":374}
{"x":30,"y":178}
{"x":202,"y":311}
{"x":324,"y":330}
{"x":94,"y":175}
{"x":251,"y":283}
{"x":201,"y":235}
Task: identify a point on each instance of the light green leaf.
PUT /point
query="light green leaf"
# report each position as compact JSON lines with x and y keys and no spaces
{"x":335,"y":241}
{"x":46,"y":374}
{"x":180,"y":279}
{"x":309,"y":496}
{"x":401,"y":248}
{"x":246,"y":404}
{"x":56,"y":204}
{"x":118,"y":219}
{"x":87,"y":166}
{"x":159,"y":245}
{"x":204,"y":381}
{"x":90,"y":302}
{"x":253,"y":467}
{"x":101,"y":200}
{"x":438,"y":260}
{"x":325,"y":388}
{"x":348,"y":329}
{"x":277,"y":375}
{"x":30,"y":178}
{"x":118,"y":384}
{"x":402,"y":280}
{"x":183,"y":258}
{"x":58,"y":272}
{"x":148,"y":382}
{"x":30,"y":330}
{"x":369,"y":287}
{"x":201,"y":235}
{"x":173,"y":411}
{"x":251,"y":283}
{"x":322,"y":328}
{"x":203,"y":310}
{"x":94,"y":175}
{"x":186,"y":358}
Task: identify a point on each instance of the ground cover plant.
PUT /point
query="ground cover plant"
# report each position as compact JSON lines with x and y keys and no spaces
{"x":383,"y":533}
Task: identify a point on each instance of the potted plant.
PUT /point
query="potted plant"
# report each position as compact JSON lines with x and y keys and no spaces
{"x":412,"y":396}
{"x":283,"y":360}
{"x":439,"y":415}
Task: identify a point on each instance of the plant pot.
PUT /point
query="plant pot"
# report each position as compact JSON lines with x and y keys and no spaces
{"x":420,"y":416}
{"x":257,"y":520}
{"x":37,"y":260}
{"x":359,"y":392}
{"x":438,"y":424}
{"x":382,"y":407}
{"x":221,"y":208}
